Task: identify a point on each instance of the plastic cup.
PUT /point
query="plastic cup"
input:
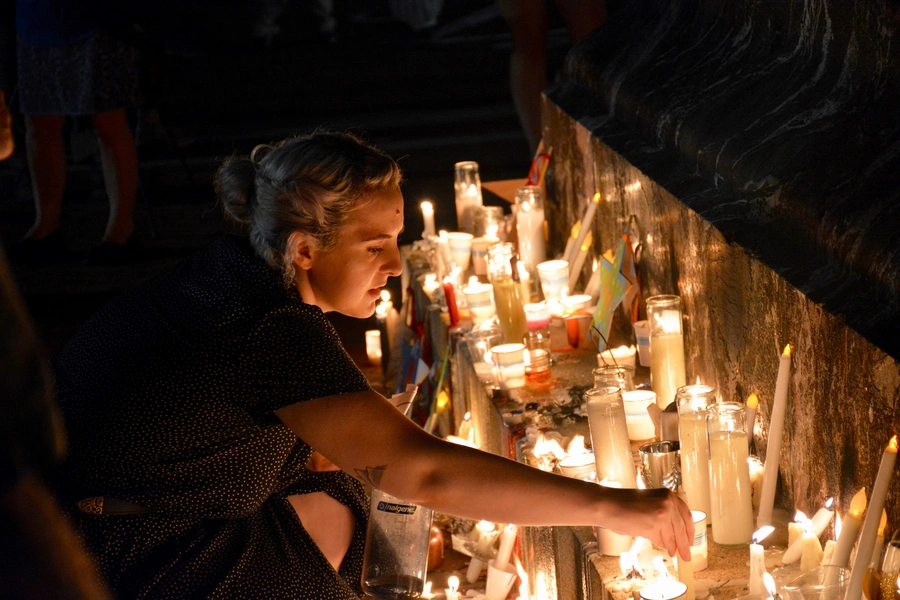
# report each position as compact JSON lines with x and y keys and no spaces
{"x":642,"y":333}
{"x":579,"y":466}
{"x":499,"y":583}
{"x":460,"y":248}
{"x":700,"y":546}
{"x":554,"y":274}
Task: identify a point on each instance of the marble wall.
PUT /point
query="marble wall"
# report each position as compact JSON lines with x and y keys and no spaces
{"x":756,"y":145}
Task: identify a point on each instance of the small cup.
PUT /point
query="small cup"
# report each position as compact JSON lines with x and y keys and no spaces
{"x":460,"y":248}
{"x":637,"y":419}
{"x":660,"y":465}
{"x":499,"y":583}
{"x":700,"y":546}
{"x":480,"y":301}
{"x":577,"y":302}
{"x":579,"y":466}
{"x":480,"y":342}
{"x":554,"y":275}
{"x":537,"y":316}
{"x":622,"y":356}
{"x":509,"y":360}
{"x":642,"y":333}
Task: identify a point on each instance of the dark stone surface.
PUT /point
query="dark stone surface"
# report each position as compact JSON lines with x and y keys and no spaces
{"x":777,"y":122}
{"x":756,"y":146}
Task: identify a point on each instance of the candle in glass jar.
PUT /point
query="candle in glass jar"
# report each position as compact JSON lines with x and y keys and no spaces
{"x":667,"y":372}
{"x":732,"y":524}
{"x":692,"y":402}
{"x":530,"y":226}
{"x":507,"y":292}
{"x":468,"y":194}
{"x":609,"y":436}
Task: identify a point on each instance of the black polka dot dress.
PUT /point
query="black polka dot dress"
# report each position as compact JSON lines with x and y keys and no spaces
{"x":168,"y":395}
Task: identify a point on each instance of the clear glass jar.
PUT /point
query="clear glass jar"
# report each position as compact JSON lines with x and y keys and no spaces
{"x":730,"y":493}
{"x":467,"y":184}
{"x":490,"y":222}
{"x":621,"y":376}
{"x":504,"y":275}
{"x":666,"y":347}
{"x":692,"y":401}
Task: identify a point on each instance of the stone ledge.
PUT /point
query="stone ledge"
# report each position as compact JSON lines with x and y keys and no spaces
{"x":776,"y":122}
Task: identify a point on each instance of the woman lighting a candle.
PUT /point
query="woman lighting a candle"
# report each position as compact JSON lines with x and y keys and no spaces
{"x":202,"y":405}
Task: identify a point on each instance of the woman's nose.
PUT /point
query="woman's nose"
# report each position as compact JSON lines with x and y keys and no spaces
{"x":393,"y":262}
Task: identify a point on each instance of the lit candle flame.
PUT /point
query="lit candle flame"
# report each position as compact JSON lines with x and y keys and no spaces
{"x":426,"y":591}
{"x":523,"y":578}
{"x":892,"y":445}
{"x":858,"y":504}
{"x":837,"y":527}
{"x":453,"y":584}
{"x":594,"y":267}
{"x":484,"y":527}
{"x":769,"y":582}
{"x":596,"y":198}
{"x":491,"y":231}
{"x":385,"y":296}
{"x":576,"y":446}
{"x":752,"y":402}
{"x":787,"y":351}
{"x":698,"y":380}
{"x":467,"y":416}
{"x":661,"y":569}
{"x":883,"y":523}
{"x":628,"y":561}
{"x":427,"y":208}
{"x":762,"y":533}
{"x":829,"y":504}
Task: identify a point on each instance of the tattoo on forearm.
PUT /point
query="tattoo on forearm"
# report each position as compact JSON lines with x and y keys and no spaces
{"x":371,"y":475}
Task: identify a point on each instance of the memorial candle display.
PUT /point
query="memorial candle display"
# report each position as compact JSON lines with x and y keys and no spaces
{"x":507,"y":292}
{"x":609,"y":436}
{"x":873,"y":518}
{"x":428,"y":218}
{"x":692,"y":402}
{"x":730,"y":505}
{"x":666,"y":348}
{"x":773,"y":448}
{"x":530,"y":226}
{"x":467,"y":184}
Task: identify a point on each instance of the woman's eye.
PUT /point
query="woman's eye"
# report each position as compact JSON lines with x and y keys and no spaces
{"x":375,"y":250}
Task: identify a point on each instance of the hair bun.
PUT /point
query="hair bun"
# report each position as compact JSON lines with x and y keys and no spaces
{"x":236,"y":188}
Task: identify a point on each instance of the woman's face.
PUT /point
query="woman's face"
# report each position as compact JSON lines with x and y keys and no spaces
{"x":349,"y":277}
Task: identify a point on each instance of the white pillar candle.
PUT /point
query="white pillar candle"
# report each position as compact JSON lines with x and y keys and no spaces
{"x":879,"y":541}
{"x":773,"y":448}
{"x":373,"y":346}
{"x":828,"y":552}
{"x":609,"y":436}
{"x":873,"y":518}
{"x":577,"y":263}
{"x":729,"y":479}
{"x":428,"y":218}
{"x":692,"y":401}
{"x":817,"y":525}
{"x":667,"y":372}
{"x":504,"y":552}
{"x":530,"y":226}
{"x":757,"y":582}
{"x":467,"y":185}
{"x":850,"y":526}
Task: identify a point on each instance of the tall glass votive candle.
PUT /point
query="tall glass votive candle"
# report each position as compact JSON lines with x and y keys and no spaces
{"x":467,"y":183}
{"x":489,"y":222}
{"x":480,"y":247}
{"x":609,"y":436}
{"x":509,"y":359}
{"x":621,"y":377}
{"x":460,"y":249}
{"x":554,"y":275}
{"x":480,"y":301}
{"x":730,"y":504}
{"x":692,"y":402}
{"x":640,"y":425}
{"x":530,"y":226}
{"x":508,"y":301}
{"x":666,"y":347}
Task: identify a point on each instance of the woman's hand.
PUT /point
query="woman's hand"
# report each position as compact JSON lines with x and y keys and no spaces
{"x":658,"y":515}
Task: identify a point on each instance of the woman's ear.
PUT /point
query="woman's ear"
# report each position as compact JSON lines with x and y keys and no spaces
{"x":301,"y":250}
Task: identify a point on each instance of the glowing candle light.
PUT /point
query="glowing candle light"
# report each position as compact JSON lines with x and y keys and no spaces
{"x":850,"y":526}
{"x":452,"y":587}
{"x":773,"y":449}
{"x":817,"y":525}
{"x":428,"y":218}
{"x":504,"y":552}
{"x":667,"y":372}
{"x":752,"y":405}
{"x":570,"y":243}
{"x":873,"y":519}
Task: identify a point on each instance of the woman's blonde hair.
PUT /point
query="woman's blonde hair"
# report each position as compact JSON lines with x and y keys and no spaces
{"x":308,"y":184}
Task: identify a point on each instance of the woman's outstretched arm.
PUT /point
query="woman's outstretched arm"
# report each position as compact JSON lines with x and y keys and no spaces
{"x":367,"y":437}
